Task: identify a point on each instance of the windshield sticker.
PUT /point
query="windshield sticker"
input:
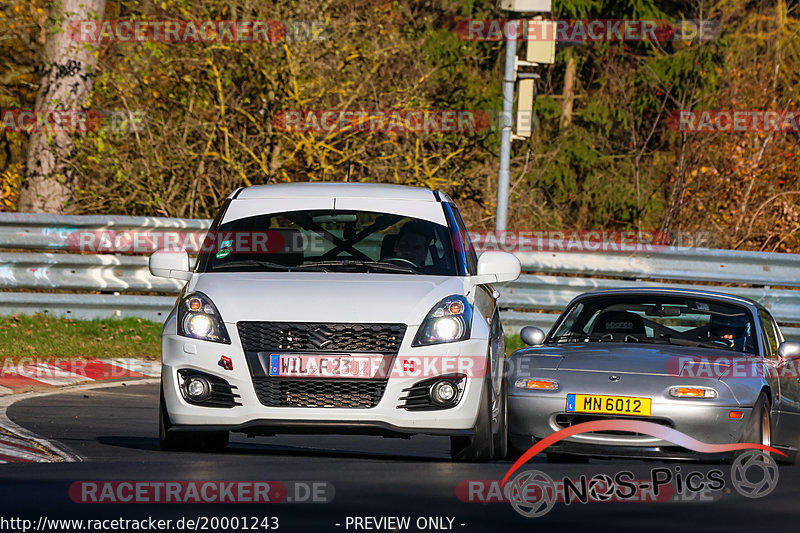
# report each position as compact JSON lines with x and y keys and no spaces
{"x":224,"y":249}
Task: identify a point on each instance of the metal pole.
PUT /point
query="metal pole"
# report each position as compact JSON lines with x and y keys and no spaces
{"x":501,"y":220}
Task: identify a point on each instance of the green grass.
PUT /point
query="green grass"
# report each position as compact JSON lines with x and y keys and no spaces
{"x":45,"y":336}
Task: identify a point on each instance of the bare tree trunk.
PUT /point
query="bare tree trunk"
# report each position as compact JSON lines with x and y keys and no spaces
{"x":569,"y":92}
{"x":65,"y":85}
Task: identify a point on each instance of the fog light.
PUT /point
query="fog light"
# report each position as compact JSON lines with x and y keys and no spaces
{"x":443,"y":392}
{"x":197,"y":388}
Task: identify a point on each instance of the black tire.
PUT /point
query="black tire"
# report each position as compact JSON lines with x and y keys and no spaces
{"x":480,"y":447}
{"x":759,"y":426}
{"x":500,"y":438}
{"x":754,"y":431}
{"x":187,"y":441}
{"x":562,"y":458}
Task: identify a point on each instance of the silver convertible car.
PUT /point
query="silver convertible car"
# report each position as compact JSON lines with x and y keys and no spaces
{"x":712,"y":366}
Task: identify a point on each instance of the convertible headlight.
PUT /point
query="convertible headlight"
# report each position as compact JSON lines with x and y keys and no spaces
{"x":449,"y":321}
{"x":198,"y":318}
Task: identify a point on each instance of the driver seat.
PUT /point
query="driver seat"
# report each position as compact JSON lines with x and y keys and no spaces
{"x":619,"y":325}
{"x":387,"y":246}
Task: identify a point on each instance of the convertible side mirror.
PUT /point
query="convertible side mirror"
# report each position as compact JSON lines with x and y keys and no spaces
{"x":789,"y":350}
{"x":497,"y":267}
{"x":532,"y":336}
{"x":170,"y":264}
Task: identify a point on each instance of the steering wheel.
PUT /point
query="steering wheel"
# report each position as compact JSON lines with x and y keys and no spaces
{"x":726,"y":344}
{"x":403,"y":260}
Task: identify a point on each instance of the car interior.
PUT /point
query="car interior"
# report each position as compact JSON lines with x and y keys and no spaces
{"x":688,"y":322}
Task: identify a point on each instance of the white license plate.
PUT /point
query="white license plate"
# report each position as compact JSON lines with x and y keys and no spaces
{"x":324,"y":366}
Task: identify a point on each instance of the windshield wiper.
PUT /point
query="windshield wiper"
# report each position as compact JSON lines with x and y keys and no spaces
{"x":252,"y":263}
{"x":582,"y":337}
{"x":699,"y":344}
{"x":377,"y":265}
{"x":682,"y":342}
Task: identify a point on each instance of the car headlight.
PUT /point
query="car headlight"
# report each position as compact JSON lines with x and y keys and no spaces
{"x":449,"y":321}
{"x":198,"y":318}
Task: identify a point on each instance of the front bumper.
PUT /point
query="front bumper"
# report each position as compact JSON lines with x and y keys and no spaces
{"x":666,"y":452}
{"x":252,"y":417}
{"x":533,"y":416}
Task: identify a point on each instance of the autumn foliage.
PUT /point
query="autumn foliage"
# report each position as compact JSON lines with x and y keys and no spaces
{"x":187,"y":123}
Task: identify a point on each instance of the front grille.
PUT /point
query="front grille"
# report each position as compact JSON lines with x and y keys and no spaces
{"x":321,"y":337}
{"x":343,"y":393}
{"x":567,"y":420}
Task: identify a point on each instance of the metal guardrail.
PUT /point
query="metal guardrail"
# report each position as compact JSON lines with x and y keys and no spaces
{"x":87,"y":306}
{"x":679,"y":264}
{"x":34,"y":231}
{"x":552,"y":293}
{"x":534,"y":299}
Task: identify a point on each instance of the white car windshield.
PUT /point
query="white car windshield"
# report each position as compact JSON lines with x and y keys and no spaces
{"x":659,"y":320}
{"x":330,"y":241}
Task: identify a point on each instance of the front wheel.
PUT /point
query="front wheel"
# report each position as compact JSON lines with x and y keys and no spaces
{"x":186,"y":441}
{"x":480,"y":447}
{"x":501,"y":437}
{"x":759,"y":427}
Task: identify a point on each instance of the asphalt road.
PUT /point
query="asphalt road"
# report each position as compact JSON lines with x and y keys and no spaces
{"x":115,"y":431}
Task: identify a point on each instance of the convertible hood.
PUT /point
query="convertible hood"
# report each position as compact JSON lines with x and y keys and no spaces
{"x":650,"y":359}
{"x":324,"y":296}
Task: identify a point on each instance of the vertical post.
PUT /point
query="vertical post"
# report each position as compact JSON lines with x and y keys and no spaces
{"x":509,"y":78}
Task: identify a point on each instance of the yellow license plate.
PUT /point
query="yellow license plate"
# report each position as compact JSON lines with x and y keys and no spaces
{"x":616,"y":405}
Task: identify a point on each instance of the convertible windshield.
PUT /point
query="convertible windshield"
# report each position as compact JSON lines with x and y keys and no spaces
{"x":658,"y":320}
{"x":330,"y":241}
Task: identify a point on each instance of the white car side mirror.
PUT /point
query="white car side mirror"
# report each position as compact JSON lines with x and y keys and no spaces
{"x":170,"y":264}
{"x":497,"y":267}
{"x":532,"y":336}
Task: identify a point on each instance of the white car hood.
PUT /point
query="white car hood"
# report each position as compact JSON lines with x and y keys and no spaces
{"x":325,"y":296}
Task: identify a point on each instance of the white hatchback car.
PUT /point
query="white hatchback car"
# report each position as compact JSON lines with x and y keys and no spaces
{"x":336,"y":308}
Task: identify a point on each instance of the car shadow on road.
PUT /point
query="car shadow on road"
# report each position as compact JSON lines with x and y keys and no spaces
{"x":261,"y":449}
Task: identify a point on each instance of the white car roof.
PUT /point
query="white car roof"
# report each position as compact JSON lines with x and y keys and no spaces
{"x":336,"y":190}
{"x":414,"y":202}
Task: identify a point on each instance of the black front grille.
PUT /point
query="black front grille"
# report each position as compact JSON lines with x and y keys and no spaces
{"x":345,"y":393}
{"x":321,"y":337}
